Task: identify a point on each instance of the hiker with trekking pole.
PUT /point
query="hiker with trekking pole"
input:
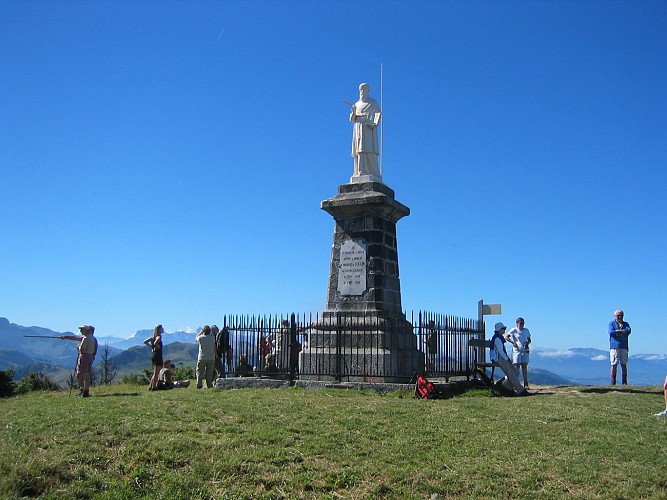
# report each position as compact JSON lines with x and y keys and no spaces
{"x":87,"y":351}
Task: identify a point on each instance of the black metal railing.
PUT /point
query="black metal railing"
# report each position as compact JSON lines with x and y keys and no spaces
{"x":350,"y":345}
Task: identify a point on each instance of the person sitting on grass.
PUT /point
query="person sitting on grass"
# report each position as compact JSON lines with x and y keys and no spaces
{"x":270,"y":366}
{"x":244,"y":369}
{"x":165,"y":380}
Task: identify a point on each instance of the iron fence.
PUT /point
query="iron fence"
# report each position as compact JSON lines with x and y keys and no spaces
{"x":350,"y":345}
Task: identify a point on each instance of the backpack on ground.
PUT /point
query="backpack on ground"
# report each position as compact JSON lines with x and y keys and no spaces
{"x":425,"y":389}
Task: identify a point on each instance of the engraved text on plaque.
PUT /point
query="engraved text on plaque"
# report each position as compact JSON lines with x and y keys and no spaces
{"x":352,"y":270}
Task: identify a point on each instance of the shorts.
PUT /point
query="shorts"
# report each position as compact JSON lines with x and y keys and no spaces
{"x":85,"y":363}
{"x":617,"y":356}
{"x":156,"y":358}
{"x":519,"y":357}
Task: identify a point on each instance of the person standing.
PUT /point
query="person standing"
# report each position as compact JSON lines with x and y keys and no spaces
{"x":87,"y":351}
{"x":519,"y":337}
{"x":206,"y":357}
{"x":221,"y":348}
{"x":281,"y":346}
{"x":618,"y":346}
{"x":155,"y":343}
{"x":219,"y":366}
{"x":431,"y":342}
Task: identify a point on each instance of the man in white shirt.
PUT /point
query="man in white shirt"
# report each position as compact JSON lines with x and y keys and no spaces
{"x":519,"y":337}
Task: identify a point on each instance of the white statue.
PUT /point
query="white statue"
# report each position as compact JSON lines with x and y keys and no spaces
{"x":365,"y":116}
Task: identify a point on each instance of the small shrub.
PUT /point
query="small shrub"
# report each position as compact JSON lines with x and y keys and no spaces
{"x":36,"y":381}
{"x":183,"y":372}
{"x":7,"y":386}
{"x":141,"y":378}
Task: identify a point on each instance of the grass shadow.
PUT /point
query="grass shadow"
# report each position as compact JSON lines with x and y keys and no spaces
{"x":117,"y":394}
{"x":606,"y":390}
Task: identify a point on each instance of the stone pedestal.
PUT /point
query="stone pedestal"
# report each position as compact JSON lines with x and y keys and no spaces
{"x":364,"y":334}
{"x":366,"y":216}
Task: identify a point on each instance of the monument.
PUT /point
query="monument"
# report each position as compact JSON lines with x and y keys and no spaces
{"x":363,"y":324}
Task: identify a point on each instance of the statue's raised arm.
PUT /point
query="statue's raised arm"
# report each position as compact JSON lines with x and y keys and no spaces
{"x":365,"y":117}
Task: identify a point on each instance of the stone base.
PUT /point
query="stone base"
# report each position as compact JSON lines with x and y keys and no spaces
{"x":361,"y":347}
{"x":358,"y":179}
{"x":360,"y":365}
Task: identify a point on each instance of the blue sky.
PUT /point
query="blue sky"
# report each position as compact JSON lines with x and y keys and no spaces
{"x":164,"y":162}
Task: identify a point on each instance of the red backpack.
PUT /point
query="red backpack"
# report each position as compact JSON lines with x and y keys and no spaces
{"x":425,"y":389}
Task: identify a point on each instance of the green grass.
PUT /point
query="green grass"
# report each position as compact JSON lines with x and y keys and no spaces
{"x":126,"y":442}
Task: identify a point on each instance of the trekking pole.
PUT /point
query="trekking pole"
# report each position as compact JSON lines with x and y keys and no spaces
{"x":73,"y":375}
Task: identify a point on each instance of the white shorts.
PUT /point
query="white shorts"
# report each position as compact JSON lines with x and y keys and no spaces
{"x":520,"y":357}
{"x":617,"y":356}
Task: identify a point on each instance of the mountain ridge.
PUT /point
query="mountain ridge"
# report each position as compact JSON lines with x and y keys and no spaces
{"x":570,"y":366}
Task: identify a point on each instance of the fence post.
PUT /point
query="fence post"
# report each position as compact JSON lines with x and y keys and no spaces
{"x":338,"y":375}
{"x":293,"y":351}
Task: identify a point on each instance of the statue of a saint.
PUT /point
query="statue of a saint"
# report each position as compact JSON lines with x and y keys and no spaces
{"x":365,"y":116}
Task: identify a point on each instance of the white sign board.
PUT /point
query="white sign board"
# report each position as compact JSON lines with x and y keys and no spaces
{"x":491,"y":309}
{"x":352,"y":268}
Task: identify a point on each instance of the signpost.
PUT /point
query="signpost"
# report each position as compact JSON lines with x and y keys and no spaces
{"x":487,"y":310}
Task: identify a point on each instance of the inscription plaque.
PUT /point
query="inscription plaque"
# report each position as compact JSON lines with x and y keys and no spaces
{"x":352,"y":268}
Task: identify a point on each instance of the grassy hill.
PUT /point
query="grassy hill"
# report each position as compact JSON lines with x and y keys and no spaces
{"x":126,"y":442}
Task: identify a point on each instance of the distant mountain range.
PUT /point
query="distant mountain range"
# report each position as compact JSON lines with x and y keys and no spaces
{"x":141,"y":335}
{"x":57,"y":358}
{"x":587,"y":366}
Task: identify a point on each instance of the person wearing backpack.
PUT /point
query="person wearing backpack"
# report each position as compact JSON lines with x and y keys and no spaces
{"x":501,"y":359}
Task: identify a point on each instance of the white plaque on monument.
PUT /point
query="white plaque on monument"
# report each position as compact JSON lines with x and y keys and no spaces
{"x":352,"y":268}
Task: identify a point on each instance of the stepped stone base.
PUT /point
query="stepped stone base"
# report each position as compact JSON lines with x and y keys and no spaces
{"x":361,"y":365}
{"x":361,"y":348}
